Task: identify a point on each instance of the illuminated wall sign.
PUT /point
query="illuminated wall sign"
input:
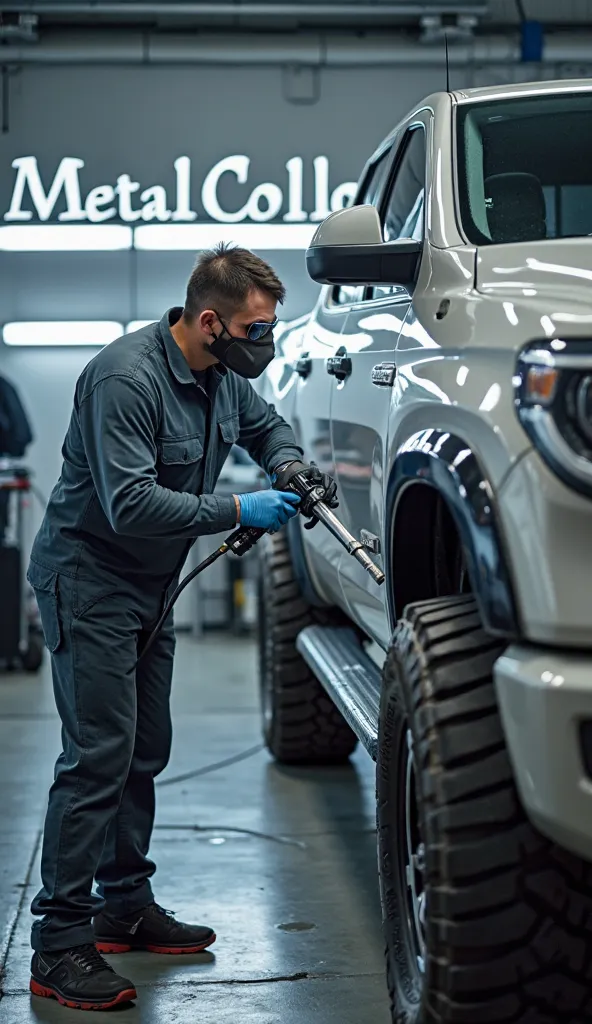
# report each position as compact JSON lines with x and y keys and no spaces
{"x":151,"y":207}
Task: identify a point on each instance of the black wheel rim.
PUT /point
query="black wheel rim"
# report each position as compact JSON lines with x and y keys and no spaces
{"x":411,"y":862}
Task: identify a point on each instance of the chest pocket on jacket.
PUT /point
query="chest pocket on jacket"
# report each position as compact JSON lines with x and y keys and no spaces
{"x":229,"y":429}
{"x":180,"y":451}
{"x":180,"y":462}
{"x":228,"y":433}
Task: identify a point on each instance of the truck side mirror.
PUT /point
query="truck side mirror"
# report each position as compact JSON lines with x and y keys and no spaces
{"x":347,"y":248}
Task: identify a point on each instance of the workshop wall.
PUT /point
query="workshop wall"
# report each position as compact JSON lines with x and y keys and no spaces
{"x":138,"y":121}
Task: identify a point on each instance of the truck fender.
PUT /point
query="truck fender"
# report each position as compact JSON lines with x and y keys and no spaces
{"x":446,"y":463}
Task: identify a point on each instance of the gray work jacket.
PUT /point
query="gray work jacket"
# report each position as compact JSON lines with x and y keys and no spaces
{"x":141,"y":458}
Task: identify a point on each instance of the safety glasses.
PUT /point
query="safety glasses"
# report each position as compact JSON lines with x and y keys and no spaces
{"x":255,"y":331}
{"x":258,"y":330}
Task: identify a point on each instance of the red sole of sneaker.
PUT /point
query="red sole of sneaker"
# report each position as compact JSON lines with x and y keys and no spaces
{"x":50,"y":993}
{"x":116,"y":947}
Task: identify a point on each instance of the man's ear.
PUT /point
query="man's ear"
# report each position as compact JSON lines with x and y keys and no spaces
{"x":207,"y":320}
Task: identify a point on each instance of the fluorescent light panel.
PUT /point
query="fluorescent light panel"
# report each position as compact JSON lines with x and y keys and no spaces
{"x":136,"y":325}
{"x":151,"y":237}
{"x":65,"y":237}
{"x":61,"y":332}
{"x":58,"y":333}
{"x":179,"y":237}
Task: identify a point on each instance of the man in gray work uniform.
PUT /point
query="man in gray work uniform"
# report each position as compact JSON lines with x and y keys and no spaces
{"x":155,"y":416}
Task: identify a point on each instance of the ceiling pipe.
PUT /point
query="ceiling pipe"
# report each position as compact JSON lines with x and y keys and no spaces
{"x":240,"y":9}
{"x":130,"y":48}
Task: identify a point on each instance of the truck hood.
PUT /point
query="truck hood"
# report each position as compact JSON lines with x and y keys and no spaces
{"x":556,"y":272}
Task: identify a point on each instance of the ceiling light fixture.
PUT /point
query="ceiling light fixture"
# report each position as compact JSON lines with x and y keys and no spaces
{"x":61,"y":332}
{"x":137,"y":325}
{"x":65,"y":237}
{"x":192,"y":237}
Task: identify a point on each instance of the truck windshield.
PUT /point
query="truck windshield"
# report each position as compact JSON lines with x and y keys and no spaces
{"x":525,"y":168}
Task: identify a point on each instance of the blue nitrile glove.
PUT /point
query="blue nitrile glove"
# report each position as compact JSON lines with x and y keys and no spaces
{"x":267,"y":509}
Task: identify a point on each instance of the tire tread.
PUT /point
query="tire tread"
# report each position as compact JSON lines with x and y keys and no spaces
{"x":307,"y":727}
{"x":509,"y":914}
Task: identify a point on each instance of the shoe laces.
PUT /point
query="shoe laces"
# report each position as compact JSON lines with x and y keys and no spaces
{"x":166,"y":913}
{"x":89,"y":959}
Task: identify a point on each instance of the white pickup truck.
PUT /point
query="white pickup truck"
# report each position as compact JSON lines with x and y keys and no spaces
{"x":445,"y":379}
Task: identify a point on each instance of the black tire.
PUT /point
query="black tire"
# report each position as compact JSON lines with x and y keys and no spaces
{"x":507,"y":929}
{"x":32,"y":659}
{"x":301,"y":724}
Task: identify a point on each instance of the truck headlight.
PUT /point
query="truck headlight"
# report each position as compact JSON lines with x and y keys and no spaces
{"x":554,"y":402}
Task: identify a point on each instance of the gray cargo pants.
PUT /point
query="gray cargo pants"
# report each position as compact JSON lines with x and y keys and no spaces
{"x":116,"y":737}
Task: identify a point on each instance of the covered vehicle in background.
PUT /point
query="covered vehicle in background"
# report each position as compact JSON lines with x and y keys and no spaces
{"x":445,"y":378}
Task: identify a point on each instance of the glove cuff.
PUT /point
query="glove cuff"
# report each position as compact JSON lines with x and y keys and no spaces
{"x":283,"y":474}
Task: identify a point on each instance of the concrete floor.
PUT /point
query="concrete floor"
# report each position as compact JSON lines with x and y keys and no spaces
{"x":281,"y":862}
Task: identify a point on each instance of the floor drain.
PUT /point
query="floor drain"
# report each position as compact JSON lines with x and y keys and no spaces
{"x":296,"y":926}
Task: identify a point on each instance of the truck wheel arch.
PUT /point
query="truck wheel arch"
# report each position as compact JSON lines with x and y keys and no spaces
{"x":434,"y":467}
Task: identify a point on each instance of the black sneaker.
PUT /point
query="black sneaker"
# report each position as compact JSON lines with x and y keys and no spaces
{"x":79,"y":978}
{"x":153,"y":929}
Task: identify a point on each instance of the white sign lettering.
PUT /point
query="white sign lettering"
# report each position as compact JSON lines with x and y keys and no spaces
{"x":125,"y":201}
{"x":183,"y":209}
{"x":295,"y":214}
{"x":100,"y":196}
{"x":66,"y":178}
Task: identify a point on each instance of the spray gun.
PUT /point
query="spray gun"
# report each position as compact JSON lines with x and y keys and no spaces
{"x":309,"y":487}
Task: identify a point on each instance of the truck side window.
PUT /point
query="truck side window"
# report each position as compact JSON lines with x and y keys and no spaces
{"x":371,"y":192}
{"x":402,"y":212}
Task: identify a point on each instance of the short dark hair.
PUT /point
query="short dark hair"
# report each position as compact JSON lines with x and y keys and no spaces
{"x":223,"y":277}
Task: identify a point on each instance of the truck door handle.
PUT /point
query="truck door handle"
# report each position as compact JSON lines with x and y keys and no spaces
{"x":303,"y":365}
{"x":383,"y":375}
{"x":339,"y":365}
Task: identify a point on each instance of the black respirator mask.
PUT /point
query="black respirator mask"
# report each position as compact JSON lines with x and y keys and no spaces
{"x":249,"y":356}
